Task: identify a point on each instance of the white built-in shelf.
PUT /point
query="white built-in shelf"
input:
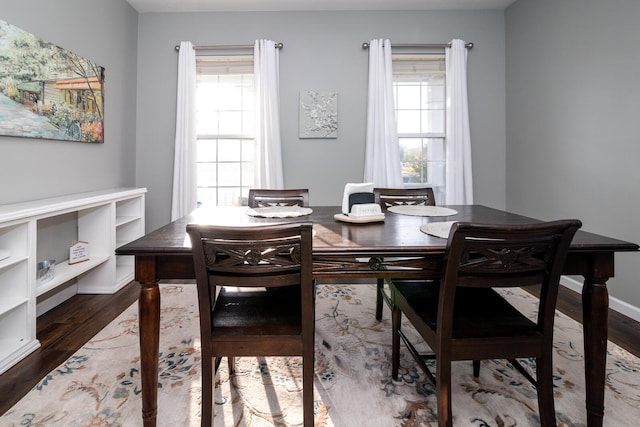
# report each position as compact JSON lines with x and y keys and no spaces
{"x":65,"y":272}
{"x":105,"y":219}
{"x":122,"y":220}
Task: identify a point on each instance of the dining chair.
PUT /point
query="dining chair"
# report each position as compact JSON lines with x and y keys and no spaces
{"x":259,"y":198}
{"x":255,"y":298}
{"x":465,"y":318}
{"x":387,"y":197}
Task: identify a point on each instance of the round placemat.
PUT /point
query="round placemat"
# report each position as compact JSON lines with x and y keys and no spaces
{"x":422,"y":210}
{"x":279,"y":211}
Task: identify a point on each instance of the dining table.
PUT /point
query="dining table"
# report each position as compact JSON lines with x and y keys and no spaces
{"x":344,"y":248}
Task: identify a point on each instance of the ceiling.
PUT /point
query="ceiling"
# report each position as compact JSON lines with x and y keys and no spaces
{"x":143,"y":6}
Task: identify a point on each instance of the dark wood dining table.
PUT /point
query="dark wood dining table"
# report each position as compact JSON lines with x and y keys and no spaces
{"x":393,"y":248}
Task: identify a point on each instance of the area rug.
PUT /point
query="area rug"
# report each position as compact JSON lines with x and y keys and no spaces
{"x":100,"y":384}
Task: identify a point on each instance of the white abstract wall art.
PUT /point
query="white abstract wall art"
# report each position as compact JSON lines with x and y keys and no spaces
{"x":318,"y":114}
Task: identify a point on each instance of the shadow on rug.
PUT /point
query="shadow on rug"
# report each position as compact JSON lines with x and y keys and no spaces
{"x":100,"y":384}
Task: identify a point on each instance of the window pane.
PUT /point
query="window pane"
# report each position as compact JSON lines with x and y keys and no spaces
{"x":435,"y":150}
{"x":229,"y":150}
{"x":432,"y":96}
{"x":207,"y":123}
{"x":224,"y":108}
{"x":409,"y":121}
{"x":411,"y":159}
{"x":433,"y":121}
{"x":247,"y":97}
{"x":228,"y":174}
{"x":207,"y":196}
{"x":206,"y":174}
{"x":408,"y":97}
{"x":229,"y":196}
{"x":248,"y":150}
{"x":421,"y":79}
{"x":247,"y":123}
{"x":230,"y":122}
{"x":248,"y":173}
{"x":206,"y":150}
{"x":410,"y":149}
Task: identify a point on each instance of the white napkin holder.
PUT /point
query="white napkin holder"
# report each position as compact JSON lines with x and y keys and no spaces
{"x":365,"y":210}
{"x":350,"y":188}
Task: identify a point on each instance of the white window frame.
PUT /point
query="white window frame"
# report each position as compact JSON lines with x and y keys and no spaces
{"x":419,"y":70}
{"x":237,"y":70}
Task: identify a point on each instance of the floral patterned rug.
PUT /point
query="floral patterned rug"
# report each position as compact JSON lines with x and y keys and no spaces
{"x":100,"y":384}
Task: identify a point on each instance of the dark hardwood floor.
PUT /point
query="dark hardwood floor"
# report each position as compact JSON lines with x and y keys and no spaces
{"x":63,"y":330}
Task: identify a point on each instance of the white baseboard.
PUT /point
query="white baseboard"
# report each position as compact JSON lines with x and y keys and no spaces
{"x":614,"y":303}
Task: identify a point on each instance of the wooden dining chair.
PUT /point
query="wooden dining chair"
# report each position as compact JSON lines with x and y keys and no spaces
{"x":255,"y":298}
{"x":387,"y":197}
{"x":260,"y":198}
{"x":466,"y":319}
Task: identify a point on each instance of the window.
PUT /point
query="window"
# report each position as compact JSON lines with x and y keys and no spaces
{"x":225,"y":129}
{"x":419,"y":94}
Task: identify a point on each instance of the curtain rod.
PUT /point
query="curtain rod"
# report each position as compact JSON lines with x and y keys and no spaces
{"x":365,"y":45}
{"x":227,"y":47}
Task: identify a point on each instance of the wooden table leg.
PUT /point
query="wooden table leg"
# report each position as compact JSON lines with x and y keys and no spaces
{"x":149,"y":326}
{"x":149,"y":318}
{"x":595,"y":311}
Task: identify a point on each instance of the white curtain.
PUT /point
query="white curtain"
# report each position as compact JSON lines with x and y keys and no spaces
{"x":459,"y":179}
{"x":382,"y":151}
{"x":266,"y":71}
{"x":184,"y":197}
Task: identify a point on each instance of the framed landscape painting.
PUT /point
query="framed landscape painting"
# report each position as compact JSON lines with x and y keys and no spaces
{"x":48,"y":92}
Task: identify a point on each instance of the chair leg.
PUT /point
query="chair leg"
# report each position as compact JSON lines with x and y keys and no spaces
{"x":307,"y":391}
{"x":379,"y":298}
{"x":207,"y":390}
{"x":307,"y":385}
{"x":231,"y":362}
{"x":443,"y":391}
{"x":396,"y":318}
{"x":476,"y":368}
{"x":544,"y":379}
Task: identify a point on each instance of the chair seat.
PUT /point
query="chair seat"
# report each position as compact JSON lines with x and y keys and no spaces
{"x":479,"y":312}
{"x":275,"y":311}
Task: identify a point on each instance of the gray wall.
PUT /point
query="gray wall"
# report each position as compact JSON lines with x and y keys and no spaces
{"x":322,"y":51}
{"x":106,"y":33}
{"x":572,"y":119}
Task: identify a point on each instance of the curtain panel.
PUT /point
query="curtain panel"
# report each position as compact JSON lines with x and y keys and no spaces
{"x":382,"y":151}
{"x":459,"y":179}
{"x":184,"y":194}
{"x":269,"y":170}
